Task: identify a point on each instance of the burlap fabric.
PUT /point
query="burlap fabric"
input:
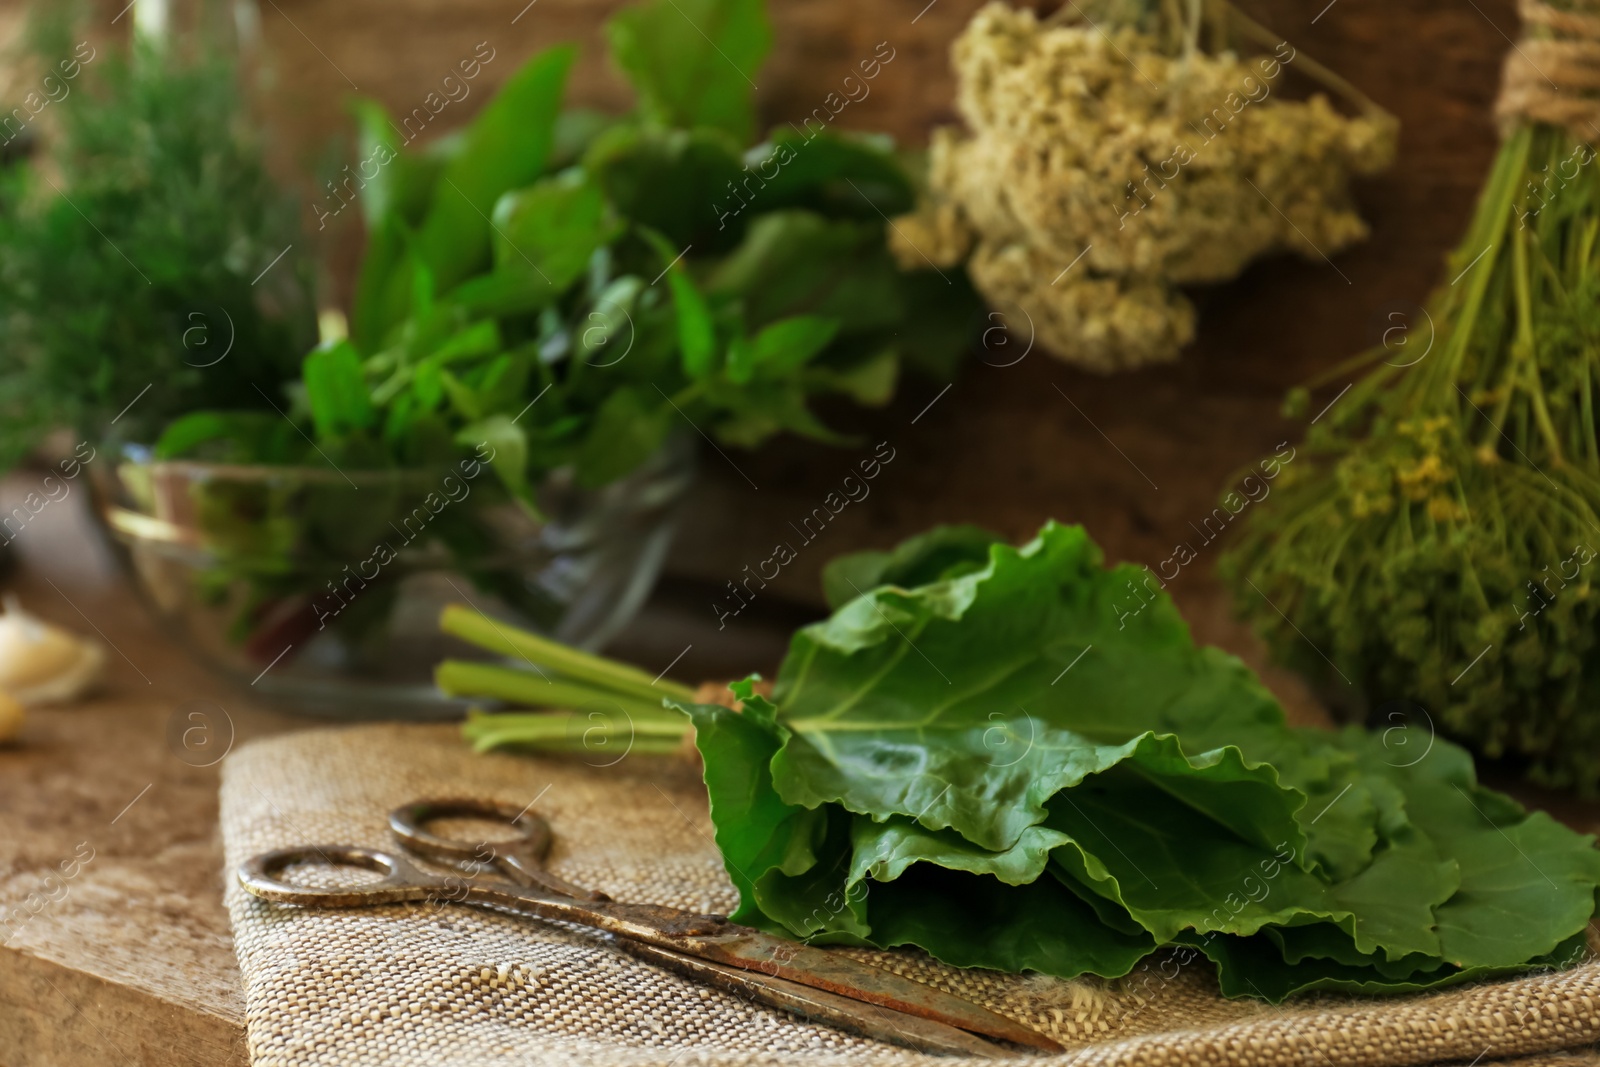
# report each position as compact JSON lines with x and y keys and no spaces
{"x":430,"y":984}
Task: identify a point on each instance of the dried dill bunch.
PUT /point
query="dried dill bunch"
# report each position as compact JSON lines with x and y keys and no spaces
{"x":1437,"y":540}
{"x":1159,"y":164}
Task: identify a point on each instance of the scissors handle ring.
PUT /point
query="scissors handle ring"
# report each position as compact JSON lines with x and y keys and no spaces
{"x":409,"y":822}
{"x":260,"y":875}
{"x":521,"y":859}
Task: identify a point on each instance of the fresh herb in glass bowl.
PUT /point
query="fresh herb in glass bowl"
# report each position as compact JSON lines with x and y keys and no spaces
{"x":574,"y":300}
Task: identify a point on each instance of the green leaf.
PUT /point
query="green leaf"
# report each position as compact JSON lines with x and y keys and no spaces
{"x":628,"y":429}
{"x":870,"y":382}
{"x":1388,"y":907}
{"x":506,"y":147}
{"x":251,"y":437}
{"x":758,"y":824}
{"x":1036,"y":611}
{"x":402,"y":183}
{"x":854,"y":175}
{"x":799,"y":263}
{"x":462,"y":398}
{"x":607,"y":336}
{"x":337,"y":390}
{"x":781,"y":348}
{"x":194,"y":429}
{"x":678,"y":182}
{"x":759,"y":411}
{"x":943,"y":552}
{"x":383,"y":290}
{"x":697,"y":337}
{"x":478,"y":339}
{"x":1046,"y":925}
{"x":502,"y":443}
{"x":942,"y":319}
{"x":551,"y":229}
{"x":693,"y":62}
{"x":1525,"y":888}
{"x":576,"y":129}
{"x":1025,"y":728}
{"x":503,"y":293}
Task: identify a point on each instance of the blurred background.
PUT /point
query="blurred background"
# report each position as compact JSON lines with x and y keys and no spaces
{"x":1014,"y":439}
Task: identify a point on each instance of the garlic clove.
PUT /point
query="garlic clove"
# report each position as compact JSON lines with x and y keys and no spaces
{"x":12,"y":715}
{"x":44,"y":664}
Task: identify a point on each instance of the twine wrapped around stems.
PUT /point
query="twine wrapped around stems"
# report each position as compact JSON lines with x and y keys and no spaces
{"x":1552,"y":74}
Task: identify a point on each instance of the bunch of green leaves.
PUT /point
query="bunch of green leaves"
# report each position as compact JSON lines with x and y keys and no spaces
{"x":574,"y":288}
{"x":1435,"y":542}
{"x":129,"y":259}
{"x":980,"y":755}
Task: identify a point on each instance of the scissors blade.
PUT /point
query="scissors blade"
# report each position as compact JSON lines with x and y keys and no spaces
{"x":868,"y":1020}
{"x":713,"y":938}
{"x":752,"y":950}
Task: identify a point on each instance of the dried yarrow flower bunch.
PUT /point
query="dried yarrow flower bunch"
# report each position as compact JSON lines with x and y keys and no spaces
{"x":1109,"y":160}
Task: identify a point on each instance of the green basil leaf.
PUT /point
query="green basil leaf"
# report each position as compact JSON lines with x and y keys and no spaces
{"x":502,"y":443}
{"x":870,"y":382}
{"x":943,"y":317}
{"x":693,"y":62}
{"x":462,"y":398}
{"x":758,"y":411}
{"x":676,"y":182}
{"x":697,"y":338}
{"x":337,"y":391}
{"x":551,"y":229}
{"x":781,"y":348}
{"x":507,"y":146}
{"x":383,"y":287}
{"x":628,"y":429}
{"x":503,"y":293}
{"x":853,"y":175}
{"x":800,"y":263}
{"x":251,"y":437}
{"x":401,"y":183}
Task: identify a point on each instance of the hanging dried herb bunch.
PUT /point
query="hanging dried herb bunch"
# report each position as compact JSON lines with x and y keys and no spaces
{"x":1129,"y":141}
{"x":1438,"y":541}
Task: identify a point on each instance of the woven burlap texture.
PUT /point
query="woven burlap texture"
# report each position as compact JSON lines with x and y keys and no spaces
{"x":432,"y":984}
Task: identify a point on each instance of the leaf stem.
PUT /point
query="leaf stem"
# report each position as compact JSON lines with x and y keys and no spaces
{"x":569,"y":732}
{"x":459,"y":678}
{"x":1525,"y":349}
{"x":617,"y":678}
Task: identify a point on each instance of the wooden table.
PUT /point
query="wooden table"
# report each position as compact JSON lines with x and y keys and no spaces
{"x":134,"y":963}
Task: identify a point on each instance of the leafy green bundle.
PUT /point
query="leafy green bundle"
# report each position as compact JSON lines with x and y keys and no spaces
{"x":979,"y":755}
{"x":128,"y":274}
{"x":574,"y":288}
{"x":1436,"y":542}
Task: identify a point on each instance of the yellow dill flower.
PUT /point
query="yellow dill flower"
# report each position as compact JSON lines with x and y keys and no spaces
{"x":1419,"y":480}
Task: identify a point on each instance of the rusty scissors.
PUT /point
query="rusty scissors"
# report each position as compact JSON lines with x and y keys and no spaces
{"x":808,"y":981}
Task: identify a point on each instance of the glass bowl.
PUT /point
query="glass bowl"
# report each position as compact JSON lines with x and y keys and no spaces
{"x":321,"y":590}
